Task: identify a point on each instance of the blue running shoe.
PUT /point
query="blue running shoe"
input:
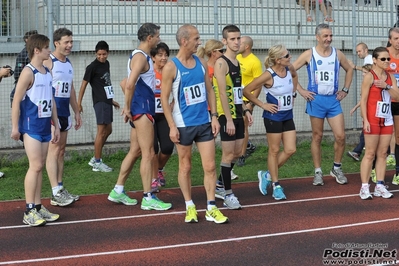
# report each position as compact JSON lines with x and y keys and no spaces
{"x":264,"y":181}
{"x":278,"y":193}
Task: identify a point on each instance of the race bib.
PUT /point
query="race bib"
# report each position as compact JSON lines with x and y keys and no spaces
{"x":195,"y":94}
{"x":383,"y":110}
{"x":109,"y":91}
{"x":397,"y":78}
{"x":44,"y":108}
{"x":285,"y":102}
{"x":62,"y":89}
{"x":237,"y":91}
{"x":324,"y":77}
{"x":158,"y":105}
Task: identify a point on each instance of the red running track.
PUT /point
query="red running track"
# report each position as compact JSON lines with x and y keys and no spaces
{"x":94,"y":231}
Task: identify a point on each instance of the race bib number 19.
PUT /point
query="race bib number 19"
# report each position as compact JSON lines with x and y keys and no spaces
{"x":195,"y":94}
{"x":62,"y":90}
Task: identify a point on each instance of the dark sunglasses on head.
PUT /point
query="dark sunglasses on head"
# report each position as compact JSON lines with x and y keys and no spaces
{"x":383,"y":59}
{"x":287,"y":55}
{"x":220,"y":50}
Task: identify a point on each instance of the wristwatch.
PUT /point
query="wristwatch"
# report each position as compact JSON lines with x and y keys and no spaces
{"x":388,"y":87}
{"x":346,"y":90}
{"x":215,"y":114}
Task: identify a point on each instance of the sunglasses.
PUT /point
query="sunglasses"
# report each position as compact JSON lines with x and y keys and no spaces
{"x":383,"y":59}
{"x":220,"y":50}
{"x":287,"y":55}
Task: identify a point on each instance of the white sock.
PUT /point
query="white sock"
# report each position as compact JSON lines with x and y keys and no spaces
{"x":55,"y":190}
{"x":118,"y":189}
{"x":365,"y":185}
{"x":189,"y":203}
{"x":209,"y":207}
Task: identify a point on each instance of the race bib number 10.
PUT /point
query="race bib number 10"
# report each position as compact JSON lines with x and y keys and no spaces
{"x":195,"y":94}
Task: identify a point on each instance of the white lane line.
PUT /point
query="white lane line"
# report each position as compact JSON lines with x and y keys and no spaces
{"x":182,"y":212}
{"x":76,"y":256}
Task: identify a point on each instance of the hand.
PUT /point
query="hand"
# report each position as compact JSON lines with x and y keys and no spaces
{"x":174,"y":135}
{"x":307,"y":95}
{"x":116,"y":105}
{"x":15,"y":135}
{"x":366,"y":126}
{"x":215,"y":126}
{"x":56,"y":135}
{"x":380,"y":84}
{"x":127,"y":115}
{"x":78,"y":121}
{"x":341,"y":95}
{"x":272,"y":108}
{"x":250,"y":119}
{"x":230,"y":128}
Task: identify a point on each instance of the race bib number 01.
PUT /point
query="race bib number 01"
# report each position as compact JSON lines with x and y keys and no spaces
{"x":324,"y":77}
{"x":383,"y":109}
{"x":62,"y":90}
{"x":109,"y":91}
{"x":44,"y":108}
{"x":237,"y":91}
{"x":195,"y":94}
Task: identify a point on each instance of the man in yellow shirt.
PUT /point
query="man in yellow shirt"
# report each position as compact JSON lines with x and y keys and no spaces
{"x":251,"y":68}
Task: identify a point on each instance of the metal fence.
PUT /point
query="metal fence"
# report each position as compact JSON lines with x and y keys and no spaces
{"x":267,"y":22}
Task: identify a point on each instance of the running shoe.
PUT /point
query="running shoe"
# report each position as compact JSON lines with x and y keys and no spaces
{"x":220,"y":193}
{"x":395,"y":179}
{"x":353,"y":155}
{"x":215,"y":215}
{"x":47,"y":215}
{"x":391,"y":160}
{"x":318,"y":179}
{"x":233,"y":175}
{"x":240,"y":161}
{"x":265,"y":181}
{"x":365,"y":193}
{"x":373,"y":176}
{"x":101,"y":167}
{"x":155,"y":204}
{"x":191,"y":215}
{"x":71,"y":196}
{"x":278,"y":193}
{"x":61,"y":199}
{"x":161,"y":178}
{"x":232,"y":202}
{"x":1,"y":174}
{"x":381,"y":191}
{"x":250,"y":148}
{"x":339,"y":176}
{"x":155,"y":185}
{"x":92,"y":161}
{"x":33,"y":218}
{"x":121,"y":198}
